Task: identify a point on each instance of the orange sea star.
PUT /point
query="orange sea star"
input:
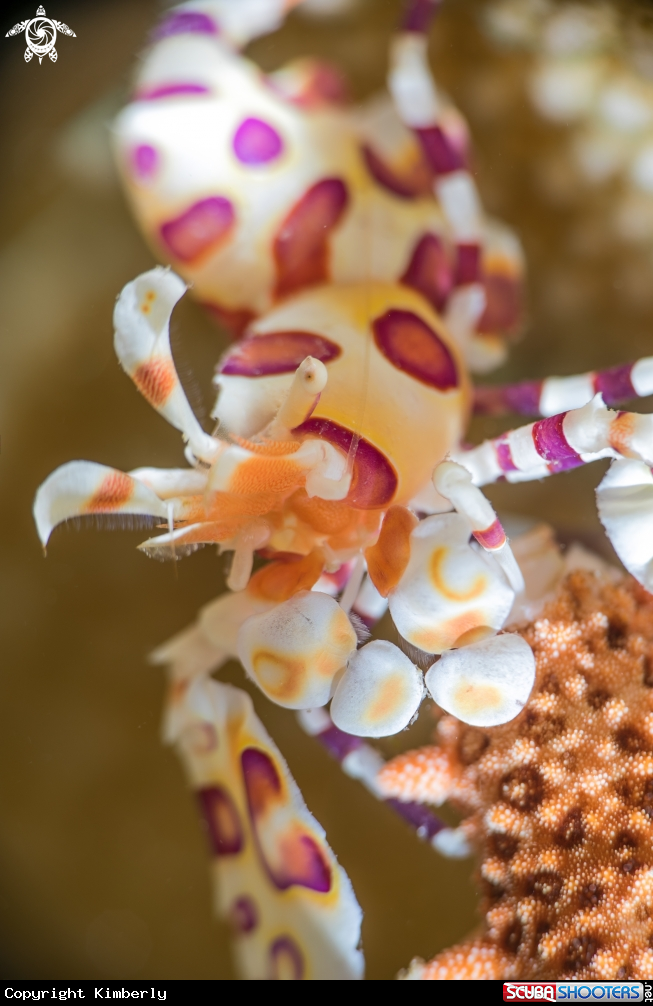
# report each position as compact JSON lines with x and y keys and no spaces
{"x":559,"y":801}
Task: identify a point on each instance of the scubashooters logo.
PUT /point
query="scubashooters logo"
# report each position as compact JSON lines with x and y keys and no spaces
{"x":40,"y":35}
{"x":573,"y":991}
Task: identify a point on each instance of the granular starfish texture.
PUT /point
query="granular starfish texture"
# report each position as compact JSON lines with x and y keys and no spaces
{"x":559,"y":801}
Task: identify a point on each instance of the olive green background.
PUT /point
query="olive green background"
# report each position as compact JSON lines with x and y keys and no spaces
{"x":103,"y":865}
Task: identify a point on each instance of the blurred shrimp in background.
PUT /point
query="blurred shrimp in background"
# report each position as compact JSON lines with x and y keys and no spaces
{"x":105,"y":873}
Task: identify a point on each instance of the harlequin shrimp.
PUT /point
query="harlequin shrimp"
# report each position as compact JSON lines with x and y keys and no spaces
{"x":349,"y":253}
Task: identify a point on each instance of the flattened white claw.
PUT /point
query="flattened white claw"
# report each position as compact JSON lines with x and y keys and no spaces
{"x":450,"y":592}
{"x":486,"y":683}
{"x":142,"y":342}
{"x":379,"y":693}
{"x":294,"y":651}
{"x":625,"y":503}
{"x":79,"y":488}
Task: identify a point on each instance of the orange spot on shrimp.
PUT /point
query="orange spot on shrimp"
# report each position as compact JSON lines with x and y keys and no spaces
{"x":473,"y":699}
{"x":155,"y":380}
{"x":280,"y":580}
{"x":147,"y":301}
{"x":621,"y":433}
{"x":387,"y":560}
{"x":282,"y":678}
{"x":389,"y":696}
{"x":450,"y":633}
{"x":439,"y":579}
{"x":113,"y":492}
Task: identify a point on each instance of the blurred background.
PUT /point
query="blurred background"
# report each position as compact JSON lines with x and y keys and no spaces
{"x":104,"y":869}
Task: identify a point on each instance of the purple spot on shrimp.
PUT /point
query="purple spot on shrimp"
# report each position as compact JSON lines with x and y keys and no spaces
{"x":468,"y":264}
{"x":615,"y":384}
{"x":418,"y":15}
{"x":185,"y":22}
{"x":441,"y":153}
{"x":286,"y":960}
{"x":170,"y":91}
{"x":504,"y":454}
{"x":145,"y":161}
{"x":256,"y":142}
{"x":374,"y":481}
{"x":430,"y":271}
{"x":291,"y":855}
{"x":276,"y":353}
{"x":411,"y":345}
{"x":551,"y":444}
{"x":243,"y":914}
{"x":222,"y":821}
{"x":202,"y":226}
{"x":301,"y":246}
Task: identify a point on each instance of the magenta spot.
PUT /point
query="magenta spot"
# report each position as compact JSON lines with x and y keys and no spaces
{"x":297,"y":860}
{"x":170,"y":91}
{"x":374,"y":480}
{"x":468,"y":264}
{"x":222,"y":821}
{"x":411,"y":345}
{"x":495,"y":400}
{"x":615,"y":384}
{"x":504,"y":454}
{"x":243,"y":914}
{"x":276,"y":353}
{"x":301,"y":247}
{"x":145,"y":161}
{"x":286,"y":960}
{"x":185,"y":23}
{"x":199,"y":228}
{"x":551,"y":444}
{"x":256,"y":142}
{"x":418,"y":15}
{"x":430,"y":271}
{"x":441,"y":153}
{"x":404,"y":188}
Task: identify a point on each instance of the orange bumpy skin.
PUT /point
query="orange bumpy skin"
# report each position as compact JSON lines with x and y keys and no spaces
{"x":560,"y":800}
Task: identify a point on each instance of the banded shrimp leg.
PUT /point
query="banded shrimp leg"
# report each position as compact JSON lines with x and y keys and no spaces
{"x":552,"y":395}
{"x":577,"y":437}
{"x":424,"y":110}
